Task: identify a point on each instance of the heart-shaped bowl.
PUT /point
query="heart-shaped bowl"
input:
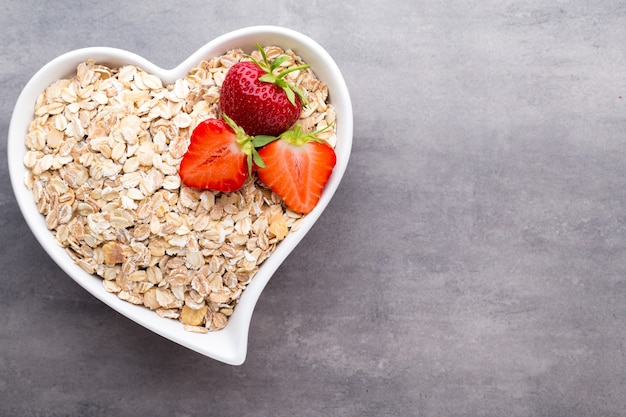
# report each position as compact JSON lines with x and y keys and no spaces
{"x":230,"y":344}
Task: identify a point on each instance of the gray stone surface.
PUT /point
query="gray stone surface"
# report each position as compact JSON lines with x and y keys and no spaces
{"x":472,"y":263}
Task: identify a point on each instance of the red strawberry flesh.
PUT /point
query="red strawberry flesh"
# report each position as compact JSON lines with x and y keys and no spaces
{"x":297,"y":172}
{"x":214,"y":159}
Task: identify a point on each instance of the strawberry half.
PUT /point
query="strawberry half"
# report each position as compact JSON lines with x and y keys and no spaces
{"x":219,"y":156}
{"x":259,"y":100}
{"x":297,"y":167}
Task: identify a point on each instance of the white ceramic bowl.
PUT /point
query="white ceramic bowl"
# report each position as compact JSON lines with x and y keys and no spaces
{"x":228,"y":345}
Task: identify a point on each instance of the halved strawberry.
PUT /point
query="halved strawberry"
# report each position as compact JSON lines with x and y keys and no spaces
{"x":297,"y":167}
{"x":260,"y":100}
{"x":219,"y":156}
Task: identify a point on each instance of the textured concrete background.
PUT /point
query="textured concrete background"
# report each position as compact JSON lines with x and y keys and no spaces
{"x":472,"y":262}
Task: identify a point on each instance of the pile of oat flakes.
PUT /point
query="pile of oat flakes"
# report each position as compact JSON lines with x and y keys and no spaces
{"x":102,"y":155}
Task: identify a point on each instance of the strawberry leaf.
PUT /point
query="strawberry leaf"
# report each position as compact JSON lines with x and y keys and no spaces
{"x":268,"y":78}
{"x":262,"y":140}
{"x":278,"y":61}
{"x":257,"y":160}
{"x":265,"y":64}
{"x":290,"y":94}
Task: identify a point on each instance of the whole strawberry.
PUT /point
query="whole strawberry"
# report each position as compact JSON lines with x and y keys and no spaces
{"x":259,"y":100}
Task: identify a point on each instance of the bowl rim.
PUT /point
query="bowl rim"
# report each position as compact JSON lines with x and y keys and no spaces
{"x":228,"y":345}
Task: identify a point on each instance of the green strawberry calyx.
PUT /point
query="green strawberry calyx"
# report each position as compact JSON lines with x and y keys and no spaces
{"x":279,"y":79}
{"x":295,"y":136}
{"x":298,"y":137}
{"x":246,"y":142}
